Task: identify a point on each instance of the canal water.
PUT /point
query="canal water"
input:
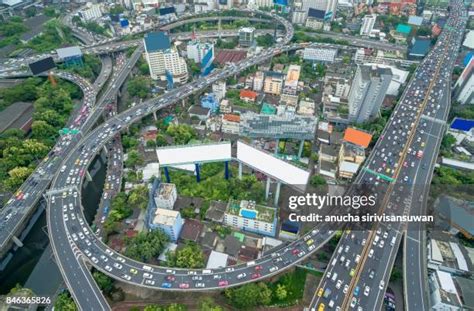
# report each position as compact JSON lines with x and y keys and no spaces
{"x":31,"y":264}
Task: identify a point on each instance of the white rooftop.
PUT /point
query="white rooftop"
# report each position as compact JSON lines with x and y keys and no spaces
{"x":69,"y":52}
{"x":349,"y":167}
{"x":216,"y":260}
{"x":469,"y":41}
{"x":462,"y":264}
{"x":150,"y":170}
{"x":446,"y":282}
{"x":189,"y":154}
{"x":165,"y":216}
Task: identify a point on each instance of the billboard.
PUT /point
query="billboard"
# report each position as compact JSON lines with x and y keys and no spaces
{"x":42,"y":65}
{"x":189,"y":154}
{"x":271,"y":166}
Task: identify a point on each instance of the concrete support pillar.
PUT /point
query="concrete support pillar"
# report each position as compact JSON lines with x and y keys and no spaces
{"x":267,"y":188}
{"x":167,"y":175}
{"x":198,"y":175}
{"x":105,"y":150}
{"x":300,"y":151}
{"x":17,"y":241}
{"x":240,"y":170}
{"x":154,"y":116}
{"x":277,"y":194}
{"x":88,"y":176}
{"x":183,"y":103}
{"x":277,"y":146}
{"x":226,"y":166}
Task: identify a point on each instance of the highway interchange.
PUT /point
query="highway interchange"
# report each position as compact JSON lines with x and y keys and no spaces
{"x":73,"y":242}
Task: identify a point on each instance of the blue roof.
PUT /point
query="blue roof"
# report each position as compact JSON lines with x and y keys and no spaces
{"x":467,"y":58}
{"x":421,"y":47}
{"x":316,"y":13}
{"x":462,"y":124}
{"x":156,"y":41}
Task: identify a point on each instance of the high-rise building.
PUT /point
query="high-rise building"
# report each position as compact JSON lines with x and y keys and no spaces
{"x":368,"y":90}
{"x":258,"y":81}
{"x":163,"y":58}
{"x":219,"y":89}
{"x":368,"y":23}
{"x":464,"y":87}
{"x":273,"y":83}
{"x":292,"y":79}
{"x":249,"y":216}
{"x":165,"y":196}
{"x":169,"y":221}
{"x":90,"y":12}
{"x":196,"y":50}
{"x":246,"y":36}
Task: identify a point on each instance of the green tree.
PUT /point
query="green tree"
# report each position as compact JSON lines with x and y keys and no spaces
{"x":317,"y":180}
{"x":138,"y":197}
{"x":116,"y":9}
{"x":265,"y":40}
{"x":281,"y":292}
{"x":208,"y":304}
{"x":194,"y":67}
{"x":139,"y":86}
{"x":249,"y":296}
{"x":396,"y":274}
{"x":134,"y":159}
{"x":64,"y":302}
{"x":181,"y":133}
{"x":447,"y":143}
{"x":105,"y":283}
{"x":161,"y":140}
{"x":190,"y":256}
{"x":41,"y":130}
{"x":146,"y":245}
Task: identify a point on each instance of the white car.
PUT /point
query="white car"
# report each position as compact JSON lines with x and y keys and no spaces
{"x":117,"y":265}
{"x":367,"y":291}
{"x":382,"y":285}
{"x":108,"y":268}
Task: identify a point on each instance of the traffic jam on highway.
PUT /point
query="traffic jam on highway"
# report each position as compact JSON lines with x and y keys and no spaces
{"x":360,"y":268}
{"x":29,"y":191}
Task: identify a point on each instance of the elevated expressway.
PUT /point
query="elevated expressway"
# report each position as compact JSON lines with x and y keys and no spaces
{"x":38,"y":182}
{"x":70,"y":253}
{"x":65,"y":218}
{"x":360,"y":269}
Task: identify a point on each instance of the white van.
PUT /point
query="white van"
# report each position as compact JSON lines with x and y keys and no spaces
{"x":394,"y":239}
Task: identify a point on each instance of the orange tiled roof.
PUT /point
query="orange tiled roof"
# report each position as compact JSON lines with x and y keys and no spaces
{"x":232,"y":117}
{"x":248,"y":94}
{"x":357,"y":137}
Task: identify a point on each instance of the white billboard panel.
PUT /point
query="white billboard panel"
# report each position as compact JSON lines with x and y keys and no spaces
{"x":272,"y":166}
{"x":188,"y":154}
